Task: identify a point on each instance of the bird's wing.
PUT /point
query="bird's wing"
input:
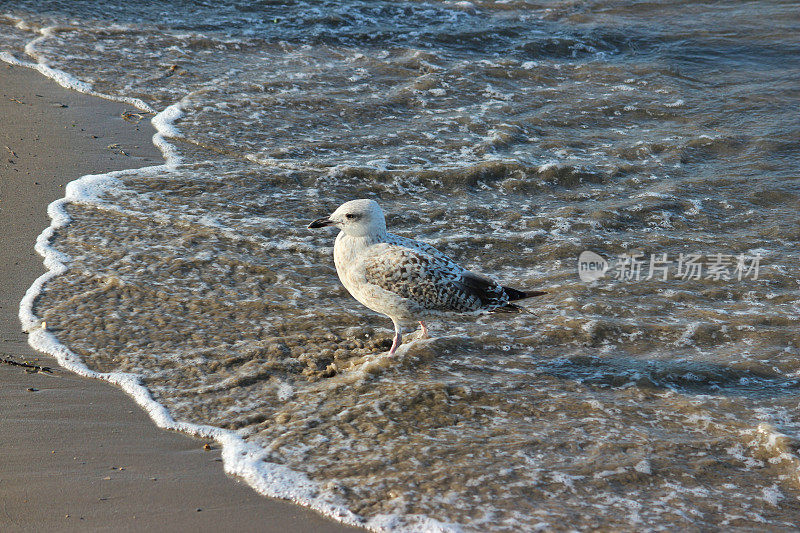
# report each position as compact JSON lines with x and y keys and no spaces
{"x":432,"y":281}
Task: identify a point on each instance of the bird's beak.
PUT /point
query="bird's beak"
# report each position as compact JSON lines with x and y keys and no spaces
{"x":320,"y":223}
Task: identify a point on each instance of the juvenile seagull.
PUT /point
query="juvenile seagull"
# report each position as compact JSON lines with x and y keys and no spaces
{"x":404,"y":279}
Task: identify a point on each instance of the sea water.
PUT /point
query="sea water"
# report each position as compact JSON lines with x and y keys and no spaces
{"x":513,"y":136}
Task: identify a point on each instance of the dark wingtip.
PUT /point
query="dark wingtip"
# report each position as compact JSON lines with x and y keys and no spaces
{"x":514,"y":294}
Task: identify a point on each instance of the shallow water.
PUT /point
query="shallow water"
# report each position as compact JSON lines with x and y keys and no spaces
{"x":512,"y":136}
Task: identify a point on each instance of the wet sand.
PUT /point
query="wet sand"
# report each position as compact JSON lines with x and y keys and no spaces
{"x":75,"y":453}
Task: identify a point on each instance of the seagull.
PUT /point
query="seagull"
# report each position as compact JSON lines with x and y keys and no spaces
{"x":404,"y":279}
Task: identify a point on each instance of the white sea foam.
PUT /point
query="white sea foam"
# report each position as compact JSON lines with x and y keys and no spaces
{"x":59,"y":76}
{"x":643,"y":467}
{"x":772,"y":495}
{"x":163,"y":122}
{"x":240,"y":458}
{"x":265,"y":129}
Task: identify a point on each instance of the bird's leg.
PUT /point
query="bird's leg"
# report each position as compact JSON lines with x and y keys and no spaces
{"x":424,"y":330}
{"x":398,"y":332}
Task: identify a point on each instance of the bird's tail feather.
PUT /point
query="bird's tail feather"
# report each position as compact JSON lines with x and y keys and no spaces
{"x":514,"y":294}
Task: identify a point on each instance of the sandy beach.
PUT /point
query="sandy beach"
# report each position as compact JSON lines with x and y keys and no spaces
{"x":78,"y":454}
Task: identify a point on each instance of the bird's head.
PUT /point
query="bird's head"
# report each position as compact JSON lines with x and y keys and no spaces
{"x":356,"y":218}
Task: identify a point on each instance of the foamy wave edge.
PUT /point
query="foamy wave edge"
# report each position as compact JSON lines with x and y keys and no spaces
{"x":239,"y":458}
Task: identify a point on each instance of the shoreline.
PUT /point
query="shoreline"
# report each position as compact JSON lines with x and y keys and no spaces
{"x":79,"y":453}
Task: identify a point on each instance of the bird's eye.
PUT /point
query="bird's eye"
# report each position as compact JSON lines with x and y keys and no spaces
{"x":351,"y":216}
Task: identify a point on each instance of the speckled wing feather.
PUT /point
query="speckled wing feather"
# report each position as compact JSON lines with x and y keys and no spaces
{"x":430,"y":279}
